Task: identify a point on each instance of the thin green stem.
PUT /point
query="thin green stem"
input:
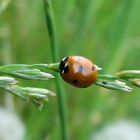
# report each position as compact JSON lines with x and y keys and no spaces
{"x":55,"y":56}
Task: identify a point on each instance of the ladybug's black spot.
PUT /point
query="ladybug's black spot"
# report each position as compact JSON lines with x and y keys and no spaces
{"x":80,"y":69}
{"x":75,"y":81}
{"x":66,"y":69}
{"x":62,"y":64}
{"x":92,"y":68}
{"x":104,"y":82}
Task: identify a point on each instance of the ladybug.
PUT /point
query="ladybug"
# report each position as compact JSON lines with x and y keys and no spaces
{"x":78,"y":71}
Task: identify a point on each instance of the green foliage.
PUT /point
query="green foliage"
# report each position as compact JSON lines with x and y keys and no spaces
{"x":107,"y":32}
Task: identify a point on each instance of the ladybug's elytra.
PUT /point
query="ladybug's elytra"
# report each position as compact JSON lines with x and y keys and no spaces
{"x":78,"y":71}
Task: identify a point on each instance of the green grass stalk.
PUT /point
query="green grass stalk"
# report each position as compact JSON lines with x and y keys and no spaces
{"x":55,"y":57}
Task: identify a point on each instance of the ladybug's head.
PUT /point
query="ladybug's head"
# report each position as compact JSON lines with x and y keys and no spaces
{"x":63,"y":64}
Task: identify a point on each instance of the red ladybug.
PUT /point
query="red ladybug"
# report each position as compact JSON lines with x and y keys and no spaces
{"x":78,"y":71}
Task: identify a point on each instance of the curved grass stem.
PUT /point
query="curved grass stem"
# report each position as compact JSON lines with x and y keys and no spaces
{"x":55,"y":57}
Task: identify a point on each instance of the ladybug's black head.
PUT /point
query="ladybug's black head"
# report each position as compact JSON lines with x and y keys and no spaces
{"x":63,"y":64}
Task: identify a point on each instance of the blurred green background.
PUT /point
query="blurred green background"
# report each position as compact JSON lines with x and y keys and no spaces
{"x":105,"y":31}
